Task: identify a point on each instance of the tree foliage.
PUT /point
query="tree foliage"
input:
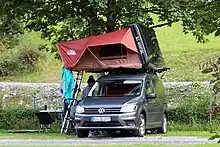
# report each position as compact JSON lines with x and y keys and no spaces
{"x":212,"y":66}
{"x":204,"y":19}
{"x":10,"y":27}
{"x":62,"y":20}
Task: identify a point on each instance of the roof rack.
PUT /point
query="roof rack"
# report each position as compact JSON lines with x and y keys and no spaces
{"x":142,"y":70}
{"x":147,"y":69}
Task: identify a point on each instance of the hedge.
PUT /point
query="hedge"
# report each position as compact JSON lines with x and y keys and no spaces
{"x":20,"y":118}
{"x":188,"y":109}
{"x":17,"y":118}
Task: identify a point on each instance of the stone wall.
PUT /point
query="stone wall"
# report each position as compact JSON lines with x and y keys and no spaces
{"x":37,"y":95}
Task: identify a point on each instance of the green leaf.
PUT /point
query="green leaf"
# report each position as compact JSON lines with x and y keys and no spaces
{"x":216,"y":86}
{"x":213,"y":81}
{"x":214,"y":137}
{"x":207,"y":70}
{"x":217,"y":33}
{"x":215,"y":75}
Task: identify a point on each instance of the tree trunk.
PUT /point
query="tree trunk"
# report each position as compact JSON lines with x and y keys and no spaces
{"x":111,"y":18}
{"x":111,"y":23}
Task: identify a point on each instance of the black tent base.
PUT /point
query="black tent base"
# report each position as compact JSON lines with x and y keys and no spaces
{"x":147,"y":69}
{"x":25,"y":131}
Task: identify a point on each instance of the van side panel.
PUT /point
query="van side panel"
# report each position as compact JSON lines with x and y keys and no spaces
{"x":159,"y":89}
{"x":160,"y":97}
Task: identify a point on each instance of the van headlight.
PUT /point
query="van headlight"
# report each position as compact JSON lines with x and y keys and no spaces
{"x":79,"y":109}
{"x":128,"y":108}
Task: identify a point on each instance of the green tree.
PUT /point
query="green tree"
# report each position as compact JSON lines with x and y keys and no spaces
{"x":67,"y":20}
{"x":63,"y":20}
{"x":10,"y":27}
{"x":204,"y":19}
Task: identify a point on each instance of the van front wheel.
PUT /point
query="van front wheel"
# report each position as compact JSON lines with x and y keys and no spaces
{"x":141,"y":126}
{"x":82,"y":133}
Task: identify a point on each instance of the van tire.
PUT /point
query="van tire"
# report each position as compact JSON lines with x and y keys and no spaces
{"x":82,"y":133}
{"x":112,"y":133}
{"x":141,"y":127}
{"x":163,"y":129}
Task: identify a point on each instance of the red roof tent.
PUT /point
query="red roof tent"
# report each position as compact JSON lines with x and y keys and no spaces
{"x":85,"y":54}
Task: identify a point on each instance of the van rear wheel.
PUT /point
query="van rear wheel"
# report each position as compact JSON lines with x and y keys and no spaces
{"x":141,"y":126}
{"x":163,"y":129}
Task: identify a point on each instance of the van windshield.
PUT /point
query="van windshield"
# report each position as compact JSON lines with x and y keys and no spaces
{"x":116,"y":88}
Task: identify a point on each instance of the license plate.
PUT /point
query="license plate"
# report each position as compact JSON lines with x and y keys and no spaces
{"x":100,"y":119}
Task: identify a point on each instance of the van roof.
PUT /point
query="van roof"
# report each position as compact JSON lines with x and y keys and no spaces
{"x":138,"y":76}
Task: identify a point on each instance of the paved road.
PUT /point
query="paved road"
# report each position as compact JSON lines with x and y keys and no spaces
{"x":171,"y":140}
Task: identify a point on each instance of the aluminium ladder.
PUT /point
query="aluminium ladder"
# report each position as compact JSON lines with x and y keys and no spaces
{"x":68,"y":121}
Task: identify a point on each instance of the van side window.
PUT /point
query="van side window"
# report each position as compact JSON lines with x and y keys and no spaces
{"x":95,"y":91}
{"x":148,"y":88}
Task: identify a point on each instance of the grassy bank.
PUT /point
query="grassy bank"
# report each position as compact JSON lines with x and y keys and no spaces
{"x":183,"y":54}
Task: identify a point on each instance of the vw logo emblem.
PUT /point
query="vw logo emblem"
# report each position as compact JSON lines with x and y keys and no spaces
{"x":101,"y":110}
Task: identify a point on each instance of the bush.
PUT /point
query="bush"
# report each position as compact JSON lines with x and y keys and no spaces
{"x":8,"y":65}
{"x":193,"y":110}
{"x":21,"y":118}
{"x":189,"y":107}
{"x":17,"y":118}
{"x":15,"y":63}
{"x":21,"y":58}
{"x":9,"y":41}
{"x":29,"y":59}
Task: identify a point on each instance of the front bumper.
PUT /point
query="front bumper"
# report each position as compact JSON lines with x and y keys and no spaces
{"x":123,"y":121}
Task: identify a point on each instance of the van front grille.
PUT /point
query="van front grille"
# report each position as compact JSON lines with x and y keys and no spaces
{"x":107,"y":110}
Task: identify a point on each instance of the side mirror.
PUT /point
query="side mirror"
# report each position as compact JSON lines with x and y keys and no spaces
{"x":150,"y":96}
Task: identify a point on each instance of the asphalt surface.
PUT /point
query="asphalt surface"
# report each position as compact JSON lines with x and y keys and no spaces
{"x":171,"y":140}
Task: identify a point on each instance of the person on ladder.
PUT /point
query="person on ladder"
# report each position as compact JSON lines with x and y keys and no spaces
{"x":67,"y":86}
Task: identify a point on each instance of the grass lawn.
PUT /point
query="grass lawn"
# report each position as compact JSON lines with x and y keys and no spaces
{"x":46,"y":136}
{"x":56,"y":136}
{"x":204,"y":134}
{"x":43,"y":136}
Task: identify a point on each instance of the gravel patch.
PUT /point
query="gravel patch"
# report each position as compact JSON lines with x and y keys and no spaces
{"x":171,"y":140}
{"x":26,"y":84}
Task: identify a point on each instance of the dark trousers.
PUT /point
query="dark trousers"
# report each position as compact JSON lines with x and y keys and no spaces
{"x":65,"y":108}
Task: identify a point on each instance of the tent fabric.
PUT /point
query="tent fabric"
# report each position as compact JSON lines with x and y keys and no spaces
{"x":83,"y":54}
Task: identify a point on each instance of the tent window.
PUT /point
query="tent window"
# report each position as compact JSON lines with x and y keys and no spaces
{"x":113,"y":51}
